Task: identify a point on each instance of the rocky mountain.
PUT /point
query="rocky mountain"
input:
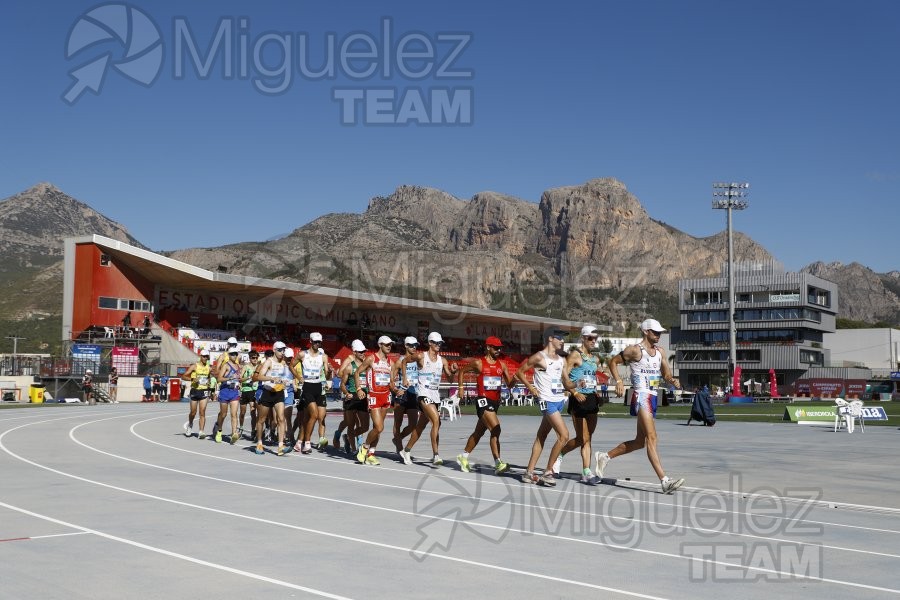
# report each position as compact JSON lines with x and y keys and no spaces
{"x":863,"y":295}
{"x":589,"y":251}
{"x":33,"y":225}
{"x":583,"y":252}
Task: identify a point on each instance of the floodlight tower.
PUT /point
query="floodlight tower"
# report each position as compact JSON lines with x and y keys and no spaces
{"x":730,"y":196}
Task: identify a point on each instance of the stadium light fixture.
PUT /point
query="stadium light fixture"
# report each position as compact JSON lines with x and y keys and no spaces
{"x":728,"y":197}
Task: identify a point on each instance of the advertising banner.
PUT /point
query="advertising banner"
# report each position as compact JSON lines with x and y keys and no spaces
{"x":125,"y":360}
{"x":831,"y":388}
{"x":85,"y":356}
{"x":807,"y":415}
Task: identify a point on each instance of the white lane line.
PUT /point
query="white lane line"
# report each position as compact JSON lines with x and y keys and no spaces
{"x":538,"y":534}
{"x":695,"y":490}
{"x":632,"y":519}
{"x":469,"y":563}
{"x":169,"y":553}
{"x":55,"y":535}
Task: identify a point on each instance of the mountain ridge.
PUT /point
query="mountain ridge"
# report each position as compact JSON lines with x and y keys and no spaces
{"x":582,"y":252}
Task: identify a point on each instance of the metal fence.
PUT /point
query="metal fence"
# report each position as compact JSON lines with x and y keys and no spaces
{"x":55,"y":367}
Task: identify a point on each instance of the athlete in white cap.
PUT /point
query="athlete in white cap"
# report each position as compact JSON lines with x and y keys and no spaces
{"x":432,"y":367}
{"x":312,"y":370}
{"x":354,"y":389}
{"x":273,"y":375}
{"x":648,"y":364}
{"x":199,"y":374}
{"x":406,"y":400}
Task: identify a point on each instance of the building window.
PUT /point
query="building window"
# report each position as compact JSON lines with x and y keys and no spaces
{"x":812,"y":358}
{"x":104,"y":302}
{"x":818,"y":297}
{"x":748,"y":355}
{"x":104,"y":260}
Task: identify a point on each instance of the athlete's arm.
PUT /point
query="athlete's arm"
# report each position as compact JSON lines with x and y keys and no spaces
{"x":573,"y":360}
{"x":666,"y":372}
{"x":187,"y":374}
{"x":533,"y":361}
{"x":473,"y":366}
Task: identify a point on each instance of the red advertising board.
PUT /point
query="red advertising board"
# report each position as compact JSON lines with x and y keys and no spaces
{"x":826,"y":387}
{"x":855,"y":388}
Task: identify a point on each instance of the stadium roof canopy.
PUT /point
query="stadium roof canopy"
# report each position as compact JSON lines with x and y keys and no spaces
{"x":166,"y":272}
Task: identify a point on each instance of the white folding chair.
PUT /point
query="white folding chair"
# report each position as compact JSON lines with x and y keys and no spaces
{"x":855,"y":413}
{"x":841,"y":410}
{"x":451,"y":405}
{"x":109,"y":332}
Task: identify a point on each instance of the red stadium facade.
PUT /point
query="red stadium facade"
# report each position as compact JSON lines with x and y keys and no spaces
{"x":105,"y":279}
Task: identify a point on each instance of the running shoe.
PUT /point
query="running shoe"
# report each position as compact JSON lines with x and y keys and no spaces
{"x":557,"y":465}
{"x":372,"y":460}
{"x":361,"y":455}
{"x":298,"y":447}
{"x":307,"y":448}
{"x":602,"y":460}
{"x":260,"y":449}
{"x":235,"y":436}
{"x":280,"y":451}
{"x":500,"y":468}
{"x":463,"y":463}
{"x":670,"y":485}
{"x":437,"y":460}
{"x":187,"y":430}
{"x":547,"y":480}
{"x":406,"y":456}
{"x":590,"y":480}
{"x":218,"y":437}
{"x":201,"y":436}
{"x":528,"y":477}
{"x":323,"y":442}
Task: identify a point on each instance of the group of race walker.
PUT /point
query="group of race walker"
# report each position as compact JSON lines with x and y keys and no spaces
{"x":371,"y":384}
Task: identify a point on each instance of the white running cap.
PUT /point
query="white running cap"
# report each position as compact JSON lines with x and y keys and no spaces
{"x":589,"y":330}
{"x":358,"y":346}
{"x":652,"y":325}
{"x":385,"y":340}
{"x":315,"y":336}
{"x":434,"y":336}
{"x":232,"y":341}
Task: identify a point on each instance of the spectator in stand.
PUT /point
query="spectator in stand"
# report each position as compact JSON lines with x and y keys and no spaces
{"x":148,"y":388}
{"x":126,"y":320}
{"x":146,"y":331}
{"x":164,"y":394}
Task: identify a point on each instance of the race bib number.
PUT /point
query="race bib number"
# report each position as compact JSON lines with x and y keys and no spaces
{"x":312,"y":375}
{"x":203,"y":380}
{"x":482,"y":402}
{"x":542,"y":405}
{"x":372,"y":402}
{"x":382,"y":379}
{"x":556,"y":386}
{"x":428,"y":381}
{"x":492,"y":382}
{"x":587,"y":383}
{"x":653,"y":382}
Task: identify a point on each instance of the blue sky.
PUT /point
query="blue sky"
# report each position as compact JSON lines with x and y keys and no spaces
{"x":798,"y":98}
